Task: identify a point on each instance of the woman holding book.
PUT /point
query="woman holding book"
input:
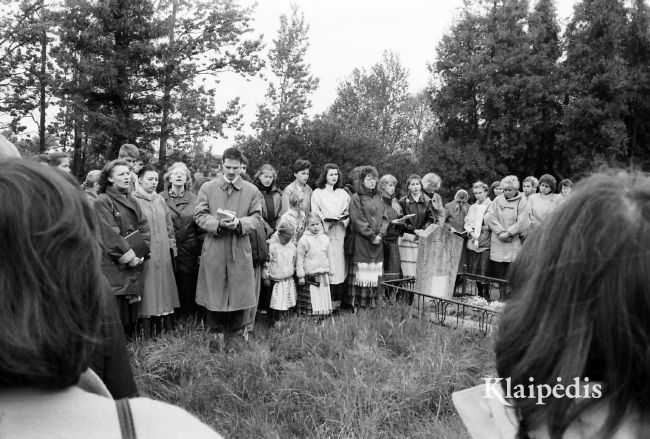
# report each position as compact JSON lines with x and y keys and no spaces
{"x":331,"y":203}
{"x":417,"y":204}
{"x":120,"y":217}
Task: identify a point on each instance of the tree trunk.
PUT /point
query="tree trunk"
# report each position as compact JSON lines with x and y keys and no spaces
{"x":42,"y":82}
{"x":167,"y":91}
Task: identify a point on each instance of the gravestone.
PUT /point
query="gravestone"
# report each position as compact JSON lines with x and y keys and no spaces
{"x":439,"y":253}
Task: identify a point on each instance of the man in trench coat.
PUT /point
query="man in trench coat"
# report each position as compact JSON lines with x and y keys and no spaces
{"x":226,"y":283}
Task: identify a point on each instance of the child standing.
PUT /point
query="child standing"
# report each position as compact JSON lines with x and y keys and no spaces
{"x":278,"y":271}
{"x":313,"y":269}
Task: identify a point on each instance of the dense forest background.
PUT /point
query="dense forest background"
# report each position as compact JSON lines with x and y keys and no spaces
{"x":511,"y":91}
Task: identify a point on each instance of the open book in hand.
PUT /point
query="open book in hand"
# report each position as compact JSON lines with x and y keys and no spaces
{"x":333,"y":220}
{"x":224,"y":214}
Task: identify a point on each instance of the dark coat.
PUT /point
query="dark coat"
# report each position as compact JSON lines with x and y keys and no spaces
{"x":189,"y":236}
{"x":120,"y":215}
{"x":393,"y":211}
{"x":274,"y":195}
{"x":424,"y":215}
{"x":367,"y":219}
{"x":438,"y":207}
{"x":110,"y":359}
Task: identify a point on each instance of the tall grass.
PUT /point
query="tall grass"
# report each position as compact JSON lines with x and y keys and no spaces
{"x":378,"y":374}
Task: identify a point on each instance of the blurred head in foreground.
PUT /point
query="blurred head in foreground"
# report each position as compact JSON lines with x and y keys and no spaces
{"x":581,"y":288}
{"x":51,"y":303}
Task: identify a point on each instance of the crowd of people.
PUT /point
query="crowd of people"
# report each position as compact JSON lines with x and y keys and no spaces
{"x":578,"y":313}
{"x":235,"y":246}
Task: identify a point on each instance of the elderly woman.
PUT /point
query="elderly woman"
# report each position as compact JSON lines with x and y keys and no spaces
{"x":508,"y":218}
{"x":181,"y":203}
{"x":160,"y":295}
{"x":394,"y":214}
{"x":54,"y":313}
{"x":478,"y":236}
{"x":544,"y":202}
{"x":299,"y":186}
{"x":369,"y":224}
{"x":331,"y":203}
{"x":431,"y":183}
{"x":120,"y":215}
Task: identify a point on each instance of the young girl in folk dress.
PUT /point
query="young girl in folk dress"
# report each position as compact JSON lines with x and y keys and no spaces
{"x":278,"y":271}
{"x":314,"y":268}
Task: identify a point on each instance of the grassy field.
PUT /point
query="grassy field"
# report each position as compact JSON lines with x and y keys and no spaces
{"x":378,"y":374}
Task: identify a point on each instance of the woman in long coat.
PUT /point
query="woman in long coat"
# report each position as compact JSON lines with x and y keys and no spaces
{"x":160,"y":293}
{"x":369,"y":224}
{"x":508,"y":218}
{"x":120,"y":215}
{"x":181,"y":203}
{"x":331,"y":203}
{"x":265,"y":180}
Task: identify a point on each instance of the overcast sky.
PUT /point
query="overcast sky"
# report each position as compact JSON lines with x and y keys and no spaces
{"x":345,"y":34}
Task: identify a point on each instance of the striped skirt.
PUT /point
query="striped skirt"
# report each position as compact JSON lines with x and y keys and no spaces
{"x":315,"y":299}
{"x":363,"y":290}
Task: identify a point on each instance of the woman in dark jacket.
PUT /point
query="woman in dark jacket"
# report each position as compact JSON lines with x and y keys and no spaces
{"x":392,"y":268}
{"x":417,"y":203}
{"x":271,"y":209}
{"x":369,"y":224}
{"x":120,"y":215}
{"x":189,"y":237}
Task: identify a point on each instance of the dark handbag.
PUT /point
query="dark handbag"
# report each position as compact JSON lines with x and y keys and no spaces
{"x":137,"y":244}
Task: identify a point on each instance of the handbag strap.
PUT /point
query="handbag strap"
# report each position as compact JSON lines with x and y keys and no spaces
{"x":125,"y":417}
